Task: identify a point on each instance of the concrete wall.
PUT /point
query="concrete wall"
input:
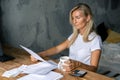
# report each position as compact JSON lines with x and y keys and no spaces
{"x":41,"y":24}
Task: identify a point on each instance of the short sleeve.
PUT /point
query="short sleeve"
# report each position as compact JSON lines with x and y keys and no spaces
{"x":96,"y":43}
{"x":70,"y":37}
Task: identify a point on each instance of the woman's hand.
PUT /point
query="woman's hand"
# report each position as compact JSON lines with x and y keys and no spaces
{"x":33,"y":59}
{"x":71,"y":64}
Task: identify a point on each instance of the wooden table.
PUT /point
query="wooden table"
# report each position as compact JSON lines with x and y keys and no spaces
{"x":22,"y":57}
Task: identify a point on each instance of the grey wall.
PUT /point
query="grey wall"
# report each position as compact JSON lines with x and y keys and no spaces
{"x":35,"y":23}
{"x":41,"y":24}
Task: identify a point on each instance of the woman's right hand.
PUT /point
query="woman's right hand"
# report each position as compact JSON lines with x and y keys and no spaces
{"x":33,"y":59}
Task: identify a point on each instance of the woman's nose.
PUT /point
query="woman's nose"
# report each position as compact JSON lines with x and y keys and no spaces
{"x":74,"y":21}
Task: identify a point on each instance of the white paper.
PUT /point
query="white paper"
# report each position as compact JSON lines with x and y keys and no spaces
{"x":10,"y":73}
{"x":41,"y":68}
{"x":14,"y":72}
{"x":50,"y":76}
{"x":33,"y":53}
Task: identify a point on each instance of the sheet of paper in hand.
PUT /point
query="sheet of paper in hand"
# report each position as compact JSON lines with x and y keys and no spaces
{"x":32,"y":53}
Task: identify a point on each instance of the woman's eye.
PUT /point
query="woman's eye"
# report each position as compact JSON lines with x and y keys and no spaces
{"x":77,"y":17}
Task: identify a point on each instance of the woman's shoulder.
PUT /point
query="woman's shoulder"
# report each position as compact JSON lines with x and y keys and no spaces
{"x":70,"y":36}
{"x":94,"y":35}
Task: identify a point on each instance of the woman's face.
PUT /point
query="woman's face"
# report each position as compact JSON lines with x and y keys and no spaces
{"x":79,"y":20}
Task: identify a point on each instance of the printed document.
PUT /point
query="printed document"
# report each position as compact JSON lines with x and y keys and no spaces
{"x":50,"y":76}
{"x":33,"y":53}
{"x":40,"y":68}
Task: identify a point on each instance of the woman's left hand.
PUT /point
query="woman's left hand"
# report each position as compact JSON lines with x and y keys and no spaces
{"x":71,"y":64}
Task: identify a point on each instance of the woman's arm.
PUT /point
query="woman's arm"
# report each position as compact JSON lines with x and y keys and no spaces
{"x":53,"y":50}
{"x":95,"y":56}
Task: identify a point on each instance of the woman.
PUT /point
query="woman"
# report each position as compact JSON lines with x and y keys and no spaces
{"x":84,"y":44}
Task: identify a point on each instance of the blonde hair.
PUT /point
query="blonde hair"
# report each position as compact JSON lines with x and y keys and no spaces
{"x":89,"y":26}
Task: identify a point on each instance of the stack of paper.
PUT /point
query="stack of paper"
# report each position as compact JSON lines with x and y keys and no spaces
{"x":38,"y":71}
{"x":39,"y":68}
{"x":50,"y":76}
{"x":11,"y":73}
{"x":14,"y":72}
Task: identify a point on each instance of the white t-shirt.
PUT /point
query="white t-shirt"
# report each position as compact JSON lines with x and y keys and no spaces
{"x":81,"y":51}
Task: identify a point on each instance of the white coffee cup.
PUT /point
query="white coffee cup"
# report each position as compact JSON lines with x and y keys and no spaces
{"x":62,"y":61}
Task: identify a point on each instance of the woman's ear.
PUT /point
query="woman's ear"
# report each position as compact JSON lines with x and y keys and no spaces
{"x":88,"y":18}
